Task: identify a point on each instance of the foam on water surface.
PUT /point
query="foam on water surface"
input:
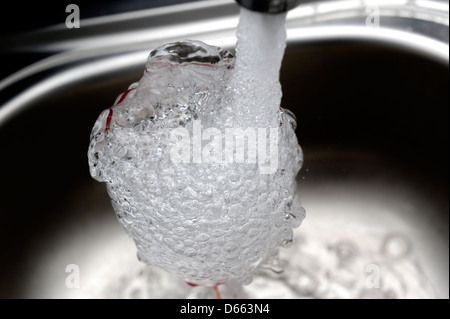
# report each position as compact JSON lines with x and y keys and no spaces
{"x":205,"y":212}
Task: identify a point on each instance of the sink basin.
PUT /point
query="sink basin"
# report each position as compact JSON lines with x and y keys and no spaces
{"x":372,"y":111}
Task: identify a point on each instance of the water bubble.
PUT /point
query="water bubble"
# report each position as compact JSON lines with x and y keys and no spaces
{"x":202,"y":237}
{"x":345,"y":250}
{"x":307,"y":284}
{"x":296,"y":214}
{"x":190,"y":252}
{"x":288,"y":238}
{"x":396,"y":246}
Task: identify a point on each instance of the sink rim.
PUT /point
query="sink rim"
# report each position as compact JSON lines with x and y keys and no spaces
{"x":72,"y":67}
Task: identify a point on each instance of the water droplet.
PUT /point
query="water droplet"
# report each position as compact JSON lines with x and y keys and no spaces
{"x":190,"y":252}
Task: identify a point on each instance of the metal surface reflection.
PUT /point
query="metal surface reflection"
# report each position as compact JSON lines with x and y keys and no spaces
{"x":372,"y":107}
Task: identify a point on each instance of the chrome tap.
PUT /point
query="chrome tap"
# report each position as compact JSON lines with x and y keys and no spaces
{"x":269,"y":6}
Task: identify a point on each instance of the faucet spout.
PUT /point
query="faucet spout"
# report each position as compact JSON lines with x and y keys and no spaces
{"x":269,"y":6}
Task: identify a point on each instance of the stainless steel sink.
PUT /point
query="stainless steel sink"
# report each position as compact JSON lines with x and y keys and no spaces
{"x":372,"y":106}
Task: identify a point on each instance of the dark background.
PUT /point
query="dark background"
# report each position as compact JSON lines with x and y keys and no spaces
{"x":19,"y":16}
